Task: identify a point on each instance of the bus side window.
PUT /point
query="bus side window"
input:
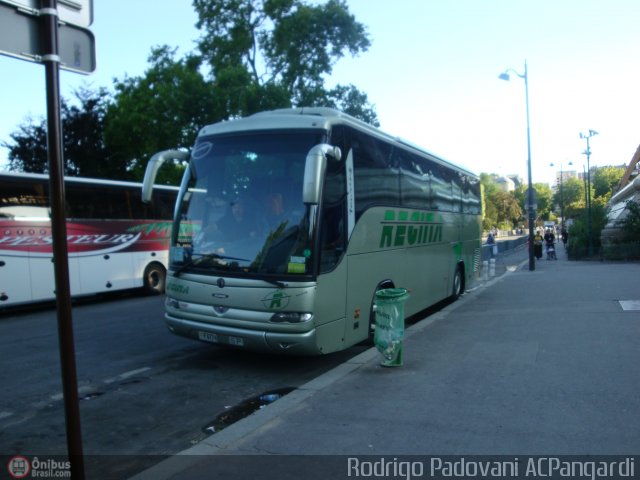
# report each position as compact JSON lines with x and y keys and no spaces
{"x":474,"y":200}
{"x":332,"y":225}
{"x":415,"y":181}
{"x":376,"y":179}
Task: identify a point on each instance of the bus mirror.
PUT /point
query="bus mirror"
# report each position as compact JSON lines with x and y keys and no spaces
{"x":152,"y":170}
{"x":314,"y":169}
{"x":335,"y":154}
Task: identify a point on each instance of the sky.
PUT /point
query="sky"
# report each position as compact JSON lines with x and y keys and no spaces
{"x":431,"y":72}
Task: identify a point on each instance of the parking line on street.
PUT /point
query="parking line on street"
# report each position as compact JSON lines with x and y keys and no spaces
{"x":125,"y":375}
{"x":630,"y":305}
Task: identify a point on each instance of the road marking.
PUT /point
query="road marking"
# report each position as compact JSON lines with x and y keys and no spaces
{"x":125,"y":375}
{"x":82,"y":390}
{"x":630,"y":305}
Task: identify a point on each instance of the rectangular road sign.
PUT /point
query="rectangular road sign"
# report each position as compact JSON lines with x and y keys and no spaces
{"x":20,"y":38}
{"x":76,"y":12}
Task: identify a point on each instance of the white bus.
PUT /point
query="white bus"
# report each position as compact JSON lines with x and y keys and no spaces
{"x":289,"y":221}
{"x":114,"y":240}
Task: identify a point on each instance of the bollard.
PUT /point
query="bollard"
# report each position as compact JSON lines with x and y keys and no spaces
{"x":492,"y":267}
{"x":389,"y":333}
{"x":485,"y":269}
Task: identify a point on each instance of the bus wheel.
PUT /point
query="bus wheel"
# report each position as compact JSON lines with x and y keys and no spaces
{"x":458,"y":286}
{"x":154,"y":279}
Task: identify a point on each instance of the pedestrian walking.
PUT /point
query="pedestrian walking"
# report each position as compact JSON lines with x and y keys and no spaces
{"x":491,"y":241}
{"x":564,"y":235}
{"x":537,"y":244}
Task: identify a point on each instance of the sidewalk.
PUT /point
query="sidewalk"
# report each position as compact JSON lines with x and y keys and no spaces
{"x":540,"y":362}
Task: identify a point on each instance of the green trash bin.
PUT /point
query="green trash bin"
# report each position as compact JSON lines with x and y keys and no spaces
{"x":389,"y":332}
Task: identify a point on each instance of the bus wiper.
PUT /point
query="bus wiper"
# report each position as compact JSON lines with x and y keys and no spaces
{"x":203,"y":257}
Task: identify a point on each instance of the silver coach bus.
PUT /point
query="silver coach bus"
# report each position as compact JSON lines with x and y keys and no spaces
{"x":289,"y":221}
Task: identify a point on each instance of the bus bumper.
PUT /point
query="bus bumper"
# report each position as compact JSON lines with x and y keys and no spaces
{"x":256,"y":340}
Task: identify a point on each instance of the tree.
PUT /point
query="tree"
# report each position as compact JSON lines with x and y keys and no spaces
{"x":508,"y":211}
{"x":277,"y":53}
{"x":28,"y":152}
{"x":543,"y":196}
{"x":161,"y":110}
{"x":630,"y":225}
{"x":352,"y":101}
{"x":573,"y":195}
{"x":84,"y":150}
{"x":258,"y":55}
{"x":490,"y":214}
{"x":579,"y":231}
{"x":501,"y":209}
{"x":605,"y":179}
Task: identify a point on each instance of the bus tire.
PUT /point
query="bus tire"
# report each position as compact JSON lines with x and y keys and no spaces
{"x":154,"y":279}
{"x":458,"y":283}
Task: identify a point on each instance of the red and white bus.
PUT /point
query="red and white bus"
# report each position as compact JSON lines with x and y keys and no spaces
{"x":115,"y":241}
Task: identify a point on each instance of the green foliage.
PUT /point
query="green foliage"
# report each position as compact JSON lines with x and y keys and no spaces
{"x":631,"y":223}
{"x":627,"y":244}
{"x":161,"y":110}
{"x":28,"y":152}
{"x":573,"y":197}
{"x":253,"y":55}
{"x":84,"y":150}
{"x":578,"y":245}
{"x":543,"y":199}
{"x":501,"y":209}
{"x":276,"y":53}
{"x":604,"y":180}
{"x":352,"y":101}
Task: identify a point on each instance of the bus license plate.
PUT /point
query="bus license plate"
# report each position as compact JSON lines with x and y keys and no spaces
{"x":215,"y":338}
{"x":208,"y":337}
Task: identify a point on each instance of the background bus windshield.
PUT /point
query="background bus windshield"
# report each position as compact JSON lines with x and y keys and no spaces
{"x":243,"y":209}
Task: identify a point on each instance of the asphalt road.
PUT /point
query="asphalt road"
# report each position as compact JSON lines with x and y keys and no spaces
{"x":144,"y":393}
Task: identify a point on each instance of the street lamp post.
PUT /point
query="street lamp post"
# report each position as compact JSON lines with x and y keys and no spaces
{"x":587,"y":152}
{"x":561,"y":196}
{"x":530,"y":199}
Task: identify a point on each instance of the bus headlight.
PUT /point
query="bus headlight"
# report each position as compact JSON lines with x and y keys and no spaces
{"x":291,"y":317}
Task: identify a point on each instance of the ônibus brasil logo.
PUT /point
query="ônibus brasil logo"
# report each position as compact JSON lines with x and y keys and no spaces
{"x":19,"y":467}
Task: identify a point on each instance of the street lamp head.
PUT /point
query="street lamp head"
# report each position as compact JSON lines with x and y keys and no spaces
{"x":588,"y":135}
{"x":504,"y":76}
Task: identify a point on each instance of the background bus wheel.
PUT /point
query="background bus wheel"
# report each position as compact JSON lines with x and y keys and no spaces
{"x":457,"y":284}
{"x":154,"y":279}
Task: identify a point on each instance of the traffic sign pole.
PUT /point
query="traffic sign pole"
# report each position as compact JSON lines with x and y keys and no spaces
{"x":51,"y":60}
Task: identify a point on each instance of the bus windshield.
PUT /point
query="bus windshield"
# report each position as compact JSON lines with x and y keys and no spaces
{"x":242,"y":210}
